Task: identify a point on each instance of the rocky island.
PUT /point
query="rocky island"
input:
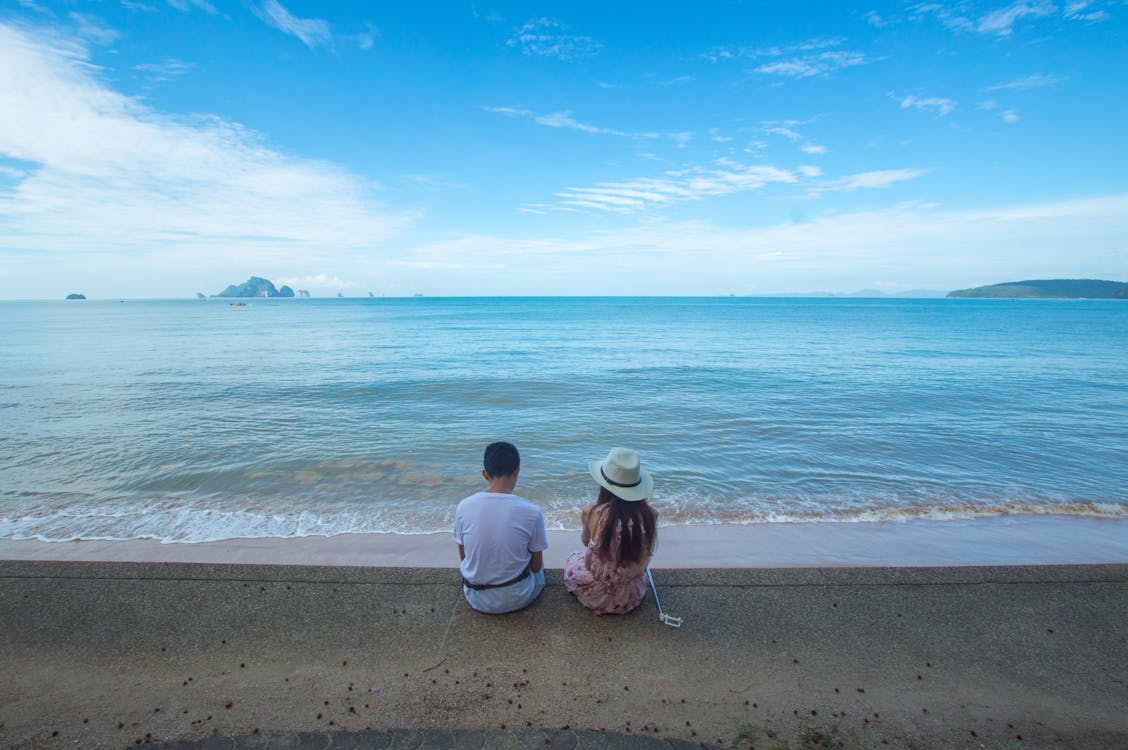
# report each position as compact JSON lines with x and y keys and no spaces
{"x":256,"y":287}
{"x":1049,"y":289}
{"x":76,"y":296}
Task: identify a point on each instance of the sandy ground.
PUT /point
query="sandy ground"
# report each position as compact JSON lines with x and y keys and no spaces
{"x":1020,"y":540}
{"x":105,"y":654}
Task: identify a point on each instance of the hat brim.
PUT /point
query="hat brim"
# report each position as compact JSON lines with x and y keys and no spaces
{"x":630,"y":494}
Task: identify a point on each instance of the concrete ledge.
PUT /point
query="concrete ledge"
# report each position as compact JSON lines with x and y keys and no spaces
{"x":436,"y":739}
{"x":743,"y":577}
{"x":103,"y":654}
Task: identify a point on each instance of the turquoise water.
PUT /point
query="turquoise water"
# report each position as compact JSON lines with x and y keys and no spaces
{"x":194,"y":420}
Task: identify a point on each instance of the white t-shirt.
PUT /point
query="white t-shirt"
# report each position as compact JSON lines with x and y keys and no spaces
{"x":497,"y":531}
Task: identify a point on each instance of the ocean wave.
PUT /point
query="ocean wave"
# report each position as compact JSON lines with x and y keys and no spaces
{"x":177,"y":522}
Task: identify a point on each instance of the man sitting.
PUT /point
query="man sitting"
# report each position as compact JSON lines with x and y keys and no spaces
{"x":500,"y":538}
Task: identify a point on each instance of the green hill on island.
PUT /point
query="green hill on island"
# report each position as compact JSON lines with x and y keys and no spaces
{"x":1049,"y":289}
{"x":256,"y":287}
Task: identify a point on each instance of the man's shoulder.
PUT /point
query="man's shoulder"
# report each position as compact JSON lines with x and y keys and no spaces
{"x":526,"y":504}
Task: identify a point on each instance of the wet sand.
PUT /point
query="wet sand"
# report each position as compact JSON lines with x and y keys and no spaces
{"x":1020,"y":540}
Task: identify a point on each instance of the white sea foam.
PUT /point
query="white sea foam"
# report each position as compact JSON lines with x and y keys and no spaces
{"x":178,"y":522}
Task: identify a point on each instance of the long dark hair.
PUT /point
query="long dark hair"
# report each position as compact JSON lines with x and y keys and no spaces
{"x":638,"y":521}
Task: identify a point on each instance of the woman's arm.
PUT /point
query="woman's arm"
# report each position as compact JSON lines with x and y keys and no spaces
{"x":585,"y":516}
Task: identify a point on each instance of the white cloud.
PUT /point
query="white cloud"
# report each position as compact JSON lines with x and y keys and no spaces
{"x":940,"y":105}
{"x":545,"y":37}
{"x":93,"y":29}
{"x":674,"y":186}
{"x":680,"y":139}
{"x":322,"y":282}
{"x":786,"y":128}
{"x":110,"y":177}
{"x":873,"y":19}
{"x":1078,"y":11}
{"x":913,"y":245}
{"x":32,"y":5}
{"x":564,"y":120}
{"x":1010,"y":117}
{"x":313,"y":32}
{"x":165,"y":70}
{"x":1035,"y":81}
{"x":812,"y":57}
{"x":809,"y":170}
{"x":1002,"y":21}
{"x":881,"y":178}
{"x":813,"y":148}
{"x":820,"y":63}
{"x":186,"y":5}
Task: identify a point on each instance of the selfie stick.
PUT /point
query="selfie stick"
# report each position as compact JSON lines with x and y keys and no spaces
{"x":673,"y":622}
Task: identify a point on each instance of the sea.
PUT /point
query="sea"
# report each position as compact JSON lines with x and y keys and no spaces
{"x":199,"y":420}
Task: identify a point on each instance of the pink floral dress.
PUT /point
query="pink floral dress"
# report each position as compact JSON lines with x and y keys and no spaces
{"x":605,"y":585}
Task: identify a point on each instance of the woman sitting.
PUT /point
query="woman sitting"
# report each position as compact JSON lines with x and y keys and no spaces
{"x":619,"y":535}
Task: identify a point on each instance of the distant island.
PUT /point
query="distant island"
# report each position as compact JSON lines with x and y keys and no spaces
{"x":256,"y":287}
{"x":1049,"y":289}
{"x":76,"y":296}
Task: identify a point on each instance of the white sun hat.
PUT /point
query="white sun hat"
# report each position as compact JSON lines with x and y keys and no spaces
{"x":621,"y":474}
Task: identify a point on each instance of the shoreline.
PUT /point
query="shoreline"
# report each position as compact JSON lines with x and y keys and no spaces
{"x":1021,"y":540}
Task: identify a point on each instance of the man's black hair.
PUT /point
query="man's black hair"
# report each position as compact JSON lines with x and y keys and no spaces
{"x":501,"y":459}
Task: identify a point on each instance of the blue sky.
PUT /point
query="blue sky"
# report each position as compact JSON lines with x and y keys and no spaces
{"x":155,"y":148}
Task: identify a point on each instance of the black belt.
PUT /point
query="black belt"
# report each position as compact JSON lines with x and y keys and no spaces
{"x":484,"y":586}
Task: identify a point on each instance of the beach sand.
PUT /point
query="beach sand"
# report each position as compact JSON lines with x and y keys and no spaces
{"x":108,"y":653}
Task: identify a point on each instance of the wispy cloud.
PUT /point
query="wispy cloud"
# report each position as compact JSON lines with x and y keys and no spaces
{"x":789,"y":129}
{"x":565,"y":120}
{"x":319,"y":282}
{"x":94,"y":29}
{"x":186,"y":5}
{"x":1080,"y":10}
{"x":1002,"y":21}
{"x":881,"y":178}
{"x":940,"y":105}
{"x":675,"y":186}
{"x":785,"y":128}
{"x":313,"y":32}
{"x":1010,"y":117}
{"x":32,"y":5}
{"x":165,"y":70}
{"x":813,"y":65}
{"x":545,"y":37}
{"x":813,"y":57}
{"x":1035,"y":81}
{"x":109,"y":175}
{"x":919,"y":244}
{"x":875,"y":20}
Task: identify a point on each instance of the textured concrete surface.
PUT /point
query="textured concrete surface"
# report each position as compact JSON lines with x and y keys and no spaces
{"x":435,"y":739}
{"x":109,"y":654}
